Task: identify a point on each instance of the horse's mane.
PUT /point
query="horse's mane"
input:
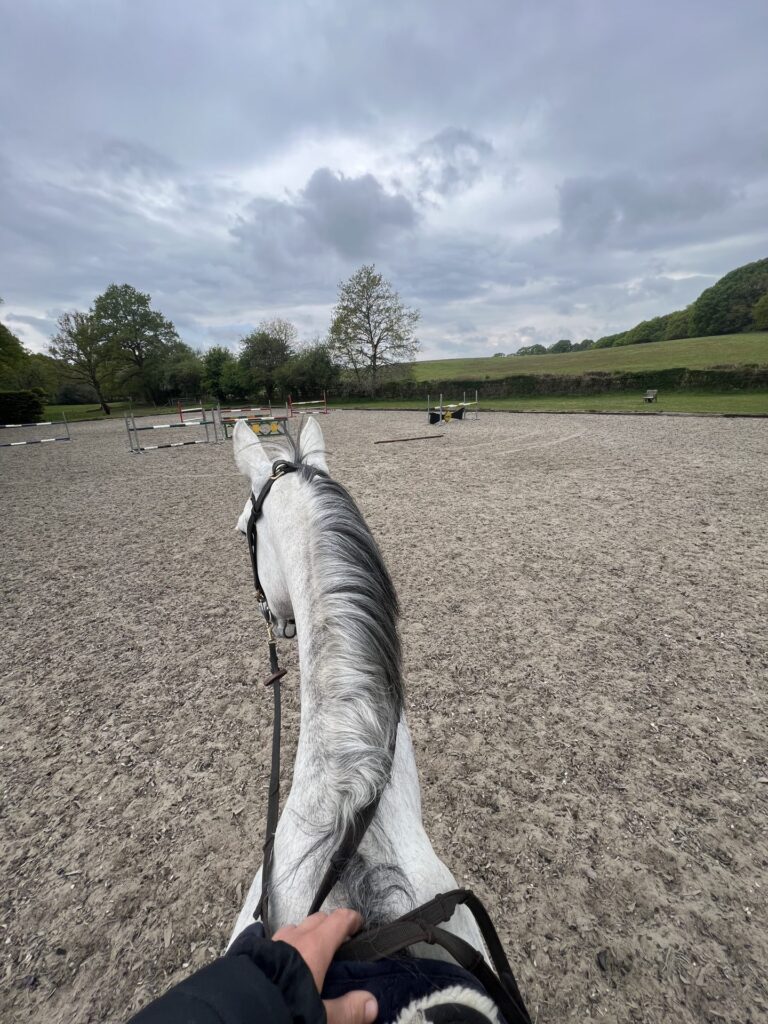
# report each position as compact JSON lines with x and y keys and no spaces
{"x":358,"y":674}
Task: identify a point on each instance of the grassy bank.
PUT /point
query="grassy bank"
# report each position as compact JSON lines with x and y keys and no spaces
{"x":752,"y":402}
{"x":693,"y":353}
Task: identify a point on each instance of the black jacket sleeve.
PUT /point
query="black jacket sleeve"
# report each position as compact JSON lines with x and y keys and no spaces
{"x":257,"y":982}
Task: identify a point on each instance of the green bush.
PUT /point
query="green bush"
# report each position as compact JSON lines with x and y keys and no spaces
{"x":20,"y":407}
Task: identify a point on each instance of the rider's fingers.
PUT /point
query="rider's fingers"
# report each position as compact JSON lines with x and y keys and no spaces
{"x":353,"y":1008}
{"x":312,"y":922}
{"x":340,"y":925}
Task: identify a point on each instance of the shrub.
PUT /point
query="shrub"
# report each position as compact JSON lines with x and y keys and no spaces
{"x":20,"y":407}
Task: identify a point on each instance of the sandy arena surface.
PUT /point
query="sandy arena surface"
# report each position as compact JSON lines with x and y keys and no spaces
{"x":586,"y":659}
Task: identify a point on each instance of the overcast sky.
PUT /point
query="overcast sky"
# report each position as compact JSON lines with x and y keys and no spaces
{"x":521,"y":171}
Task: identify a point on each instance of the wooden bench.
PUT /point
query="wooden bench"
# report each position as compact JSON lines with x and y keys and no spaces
{"x":650,"y":396}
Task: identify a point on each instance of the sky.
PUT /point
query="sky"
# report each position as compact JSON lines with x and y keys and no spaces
{"x":520,"y":171}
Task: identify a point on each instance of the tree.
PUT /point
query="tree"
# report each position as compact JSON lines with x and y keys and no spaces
{"x":371,"y":328}
{"x":182,"y":371}
{"x":12,"y":355}
{"x":760,"y":313}
{"x":233,"y":384}
{"x":214,"y":362}
{"x":564,"y":345}
{"x":138,"y":333}
{"x":678,"y":325}
{"x":309,"y":372}
{"x":728,"y":305}
{"x":531,"y":350}
{"x":80,"y":345}
{"x":264,"y":351}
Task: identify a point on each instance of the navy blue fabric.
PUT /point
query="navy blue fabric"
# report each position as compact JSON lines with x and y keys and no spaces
{"x":396,"y":982}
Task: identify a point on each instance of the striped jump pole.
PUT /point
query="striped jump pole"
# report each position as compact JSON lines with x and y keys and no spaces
{"x":193,"y":409}
{"x":36,"y":440}
{"x":302,"y":406}
{"x":136,"y":447}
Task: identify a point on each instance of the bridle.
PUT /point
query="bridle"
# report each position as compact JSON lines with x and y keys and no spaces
{"x":419,"y":925}
{"x":279,"y":468}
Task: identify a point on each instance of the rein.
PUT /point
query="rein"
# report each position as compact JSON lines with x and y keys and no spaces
{"x":419,"y":925}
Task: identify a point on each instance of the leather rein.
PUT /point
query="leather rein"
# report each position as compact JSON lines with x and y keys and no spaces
{"x":419,"y":925}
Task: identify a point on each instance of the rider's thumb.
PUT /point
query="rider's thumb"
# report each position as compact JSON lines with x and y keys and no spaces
{"x":353,"y":1008}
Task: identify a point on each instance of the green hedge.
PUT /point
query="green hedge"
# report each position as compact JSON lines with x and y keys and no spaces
{"x":717,"y":378}
{"x":20,"y":406}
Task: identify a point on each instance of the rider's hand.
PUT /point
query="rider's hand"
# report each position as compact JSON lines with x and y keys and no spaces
{"x":316,"y":940}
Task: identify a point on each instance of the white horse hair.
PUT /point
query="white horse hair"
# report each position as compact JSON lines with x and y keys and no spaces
{"x":319,"y":565}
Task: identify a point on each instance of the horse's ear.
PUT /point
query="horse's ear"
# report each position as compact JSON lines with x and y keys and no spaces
{"x":249,"y":453}
{"x":312,"y":444}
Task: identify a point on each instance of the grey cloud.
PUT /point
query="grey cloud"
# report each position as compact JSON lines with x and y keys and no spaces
{"x":624,"y":209}
{"x":352,"y":217}
{"x":140,"y":167}
{"x":451,"y":161}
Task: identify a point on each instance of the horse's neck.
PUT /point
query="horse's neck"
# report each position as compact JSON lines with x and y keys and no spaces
{"x":347,"y":718}
{"x":347,"y":715}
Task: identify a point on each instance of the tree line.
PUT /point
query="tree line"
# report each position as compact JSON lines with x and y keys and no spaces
{"x":737,"y":302}
{"x":123,"y":347}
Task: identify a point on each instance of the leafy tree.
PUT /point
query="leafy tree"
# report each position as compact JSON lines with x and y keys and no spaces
{"x":138,"y":333}
{"x":232,"y":381}
{"x":182,"y":371}
{"x":728,"y":305}
{"x":564,"y":345}
{"x":678,"y":325}
{"x":214,"y":362}
{"x":371,"y":327}
{"x":80,"y":345}
{"x":309,"y":372}
{"x":760,"y":313}
{"x":12,"y":355}
{"x":498,"y":355}
{"x":41,"y":373}
{"x":531,"y":350}
{"x":583,"y":346}
{"x":264,"y":351}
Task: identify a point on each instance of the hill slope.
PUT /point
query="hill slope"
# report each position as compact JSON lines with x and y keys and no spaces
{"x":692,"y":353}
{"x":728,"y":305}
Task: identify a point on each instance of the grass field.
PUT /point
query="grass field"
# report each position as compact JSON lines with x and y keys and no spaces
{"x":695,"y":353}
{"x":744,"y":402}
{"x":91,"y":411}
